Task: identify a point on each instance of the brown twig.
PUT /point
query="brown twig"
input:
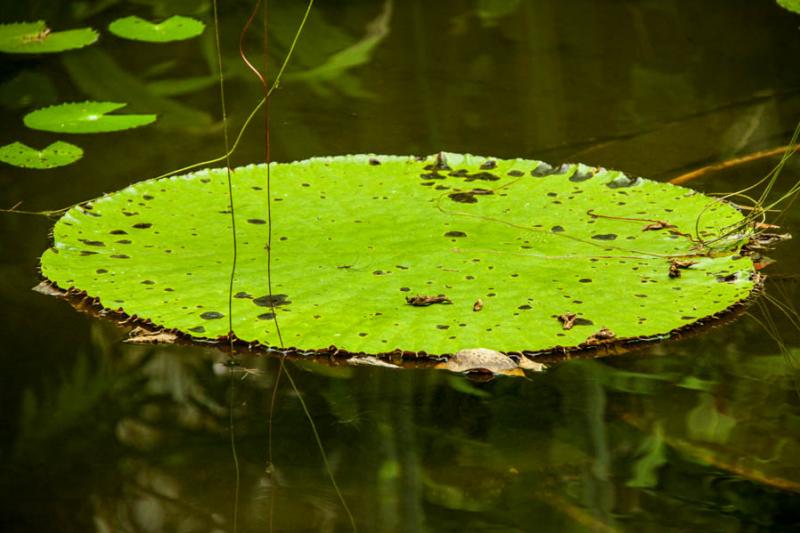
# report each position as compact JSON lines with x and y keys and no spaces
{"x":730,"y":163}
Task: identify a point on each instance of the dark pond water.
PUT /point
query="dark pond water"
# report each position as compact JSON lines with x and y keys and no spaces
{"x":697,"y":434}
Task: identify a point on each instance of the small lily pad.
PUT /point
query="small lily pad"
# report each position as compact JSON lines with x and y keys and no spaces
{"x":37,"y":38}
{"x":84,"y":117}
{"x":175,"y":28}
{"x":791,"y":5}
{"x":58,"y":154}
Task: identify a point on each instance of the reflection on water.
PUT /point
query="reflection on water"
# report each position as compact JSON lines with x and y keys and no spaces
{"x":698,"y":433}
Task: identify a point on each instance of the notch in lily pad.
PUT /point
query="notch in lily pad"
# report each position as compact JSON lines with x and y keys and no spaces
{"x":37,"y":38}
{"x":176,"y":28}
{"x":57,"y":154}
{"x":85,"y":117}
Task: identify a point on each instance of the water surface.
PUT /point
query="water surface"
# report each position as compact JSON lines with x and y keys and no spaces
{"x":701,"y":433}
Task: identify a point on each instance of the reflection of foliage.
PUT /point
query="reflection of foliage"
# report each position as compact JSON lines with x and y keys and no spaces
{"x":490,"y":11}
{"x":335,"y":68}
{"x":62,"y":407}
{"x":571,"y":448}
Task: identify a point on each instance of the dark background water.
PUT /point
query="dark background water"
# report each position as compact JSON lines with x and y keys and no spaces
{"x":701,"y":433}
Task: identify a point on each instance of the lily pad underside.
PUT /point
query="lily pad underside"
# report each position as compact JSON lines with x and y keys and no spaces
{"x":409,"y":256}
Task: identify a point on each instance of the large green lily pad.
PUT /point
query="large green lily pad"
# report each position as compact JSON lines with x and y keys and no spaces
{"x":512,"y":244}
{"x":37,"y":38}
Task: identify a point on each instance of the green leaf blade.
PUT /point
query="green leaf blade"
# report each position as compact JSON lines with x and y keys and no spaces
{"x":37,"y":38}
{"x":354,"y":237}
{"x":84,"y":117}
{"x":57,"y":154}
{"x":791,"y":5}
{"x":175,"y":28}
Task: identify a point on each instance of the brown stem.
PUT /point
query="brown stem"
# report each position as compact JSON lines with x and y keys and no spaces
{"x":730,"y":163}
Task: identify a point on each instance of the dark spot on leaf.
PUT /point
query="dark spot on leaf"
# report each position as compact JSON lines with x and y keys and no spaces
{"x":271,"y":301}
{"x":266,"y":316}
{"x":404,"y":289}
{"x":585,"y":280}
{"x":256,"y":221}
{"x":524,"y":307}
{"x":455,"y":234}
{"x":557,"y":229}
{"x":124,"y":241}
{"x":482,"y":176}
{"x":120,"y":256}
{"x":83,"y":252}
{"x":211,"y":315}
{"x":241,"y":295}
{"x":373,"y":161}
{"x":442,"y":326}
{"x":148,"y":282}
{"x":463,"y":197}
{"x":605,"y":236}
{"x":118,"y":232}
{"x":142,"y":225}
{"x":101,"y":270}
{"x":431,"y":176}
{"x":147,"y":197}
{"x":489,"y":165}
{"x":92,"y":243}
{"x":198,"y":329}
{"x":515,"y":173}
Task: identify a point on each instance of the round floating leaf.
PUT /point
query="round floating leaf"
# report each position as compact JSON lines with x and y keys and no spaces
{"x":791,"y":5}
{"x":57,"y":154}
{"x":37,"y":38}
{"x":84,"y":117}
{"x":376,"y":253}
{"x":175,"y":28}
